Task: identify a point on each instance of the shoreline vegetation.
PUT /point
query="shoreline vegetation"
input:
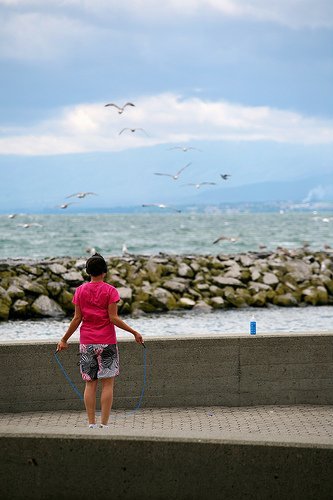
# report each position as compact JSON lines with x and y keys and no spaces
{"x":160,"y":283}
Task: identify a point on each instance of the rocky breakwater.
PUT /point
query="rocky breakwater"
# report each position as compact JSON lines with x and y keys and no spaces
{"x":165,"y":282}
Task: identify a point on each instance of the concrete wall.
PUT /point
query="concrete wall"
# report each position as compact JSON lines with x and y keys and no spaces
{"x":85,"y":467}
{"x":230,"y":371}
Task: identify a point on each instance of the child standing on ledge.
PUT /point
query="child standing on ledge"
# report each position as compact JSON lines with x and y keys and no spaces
{"x":96,"y":307}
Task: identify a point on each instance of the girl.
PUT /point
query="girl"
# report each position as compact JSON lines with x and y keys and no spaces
{"x":96,"y":306}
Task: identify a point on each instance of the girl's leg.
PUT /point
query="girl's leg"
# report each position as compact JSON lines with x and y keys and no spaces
{"x":90,"y":400}
{"x":106,"y":399}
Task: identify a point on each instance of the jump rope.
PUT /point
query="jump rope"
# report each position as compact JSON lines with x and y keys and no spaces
{"x":79,"y":394}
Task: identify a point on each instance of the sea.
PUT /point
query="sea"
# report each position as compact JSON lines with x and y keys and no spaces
{"x":39,"y":236}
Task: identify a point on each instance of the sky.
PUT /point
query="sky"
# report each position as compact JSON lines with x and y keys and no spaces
{"x":246,"y":83}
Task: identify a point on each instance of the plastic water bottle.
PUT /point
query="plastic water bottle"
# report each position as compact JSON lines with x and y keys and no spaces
{"x":253,"y":326}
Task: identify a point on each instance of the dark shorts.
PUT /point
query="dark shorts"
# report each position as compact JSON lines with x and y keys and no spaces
{"x":99,"y":361}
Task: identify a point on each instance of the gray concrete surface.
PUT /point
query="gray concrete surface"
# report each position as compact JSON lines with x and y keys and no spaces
{"x":276,"y":452}
{"x":229,"y":371}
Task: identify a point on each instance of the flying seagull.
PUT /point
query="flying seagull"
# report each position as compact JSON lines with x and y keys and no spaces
{"x":26,"y":226}
{"x":133,"y":130}
{"x":225,"y":238}
{"x":65,"y":205}
{"x":81,"y":195}
{"x":176,"y":175}
{"x":199,"y":184}
{"x":160,"y":205}
{"x":184,"y":148}
{"x":225,"y":177}
{"x":120,"y":108}
{"x":12,"y":216}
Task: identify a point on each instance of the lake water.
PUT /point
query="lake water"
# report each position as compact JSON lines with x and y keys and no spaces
{"x":184,"y":324}
{"x":151,"y":233}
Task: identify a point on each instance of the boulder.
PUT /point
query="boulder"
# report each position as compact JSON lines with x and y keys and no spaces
{"x":186,"y":303}
{"x":34,"y":288}
{"x":73,"y":278}
{"x":222,"y":281}
{"x":15,"y":292}
{"x":259,"y":299}
{"x":57,"y":269}
{"x":5,"y":303}
{"x":315,"y":295}
{"x":299,"y":270}
{"x":185,"y":271}
{"x":285,"y":300}
{"x":162,"y":299}
{"x":66,"y":301}
{"x":217,"y":302}
{"x":125,"y":293}
{"x":270,"y":279}
{"x":245,"y":260}
{"x":54,"y":287}
{"x":20,"y":308}
{"x":202,"y":306}
{"x":45,"y":307}
{"x":175,"y":285}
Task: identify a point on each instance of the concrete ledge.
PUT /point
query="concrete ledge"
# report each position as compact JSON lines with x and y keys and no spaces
{"x":94,"y":467}
{"x":227,"y":371}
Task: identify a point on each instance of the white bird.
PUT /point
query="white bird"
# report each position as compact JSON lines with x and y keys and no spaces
{"x":133,"y":130}
{"x":225,"y":238}
{"x":91,"y":250}
{"x":120,"y":108}
{"x":124,"y":250}
{"x":81,"y":195}
{"x":199,"y":184}
{"x":184,"y":148}
{"x":65,"y":205}
{"x":176,"y":175}
{"x":160,"y":205}
{"x":225,"y":177}
{"x":27,"y":225}
{"x":12,"y":216}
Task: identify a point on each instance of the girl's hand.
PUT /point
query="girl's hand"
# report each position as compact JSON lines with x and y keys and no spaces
{"x":62,"y":345}
{"x":138,"y":338}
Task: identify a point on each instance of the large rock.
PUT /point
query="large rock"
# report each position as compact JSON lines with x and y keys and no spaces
{"x":299,"y":270}
{"x":186,"y":303}
{"x":65,"y":299}
{"x":5,"y":303}
{"x":316,"y":296}
{"x":57,"y":269}
{"x":55,"y":288}
{"x":285,"y":300}
{"x":217,"y":302}
{"x":45,"y":307}
{"x":270,"y":279}
{"x":73,"y":277}
{"x":34,"y":288}
{"x":162,"y":299}
{"x":185,"y":271}
{"x":222,"y":281}
{"x":202,"y":306}
{"x":20,"y":308}
{"x":125,"y":293}
{"x":15,"y":292}
{"x":175,"y":285}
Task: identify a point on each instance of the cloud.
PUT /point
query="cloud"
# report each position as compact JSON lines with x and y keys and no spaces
{"x":168,"y":119}
{"x":291,"y":13}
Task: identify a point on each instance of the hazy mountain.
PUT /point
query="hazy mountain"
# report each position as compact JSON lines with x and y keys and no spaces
{"x":312,"y":189}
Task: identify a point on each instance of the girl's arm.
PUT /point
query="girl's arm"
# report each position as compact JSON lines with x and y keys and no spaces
{"x":114,"y":318}
{"x":62,"y":344}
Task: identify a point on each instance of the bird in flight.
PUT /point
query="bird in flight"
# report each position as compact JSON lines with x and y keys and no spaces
{"x":119,"y":108}
{"x":12,"y":216}
{"x":184,"y":148}
{"x":225,"y":177}
{"x":80,"y":195}
{"x":160,"y":205}
{"x":199,"y":184}
{"x":175,"y":176}
{"x":225,"y":238}
{"x":27,"y":225}
{"x":65,"y":205}
{"x":133,"y":130}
